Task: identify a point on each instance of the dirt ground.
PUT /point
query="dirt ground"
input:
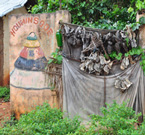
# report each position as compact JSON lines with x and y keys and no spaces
{"x":4,"y":110}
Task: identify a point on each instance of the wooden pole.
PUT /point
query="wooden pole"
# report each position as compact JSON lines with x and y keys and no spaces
{"x":59,"y":4}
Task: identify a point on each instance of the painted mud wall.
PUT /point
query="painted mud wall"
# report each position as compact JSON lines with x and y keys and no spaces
{"x":32,"y":39}
{"x":5,"y":78}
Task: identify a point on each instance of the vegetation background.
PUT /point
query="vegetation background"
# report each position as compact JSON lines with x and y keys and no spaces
{"x":102,"y":14}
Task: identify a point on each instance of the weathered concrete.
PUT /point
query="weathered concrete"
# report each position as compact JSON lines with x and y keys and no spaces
{"x":27,"y":93}
{"x":6,"y":70}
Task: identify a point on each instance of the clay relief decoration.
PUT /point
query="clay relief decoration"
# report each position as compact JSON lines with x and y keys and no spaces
{"x":32,"y":40}
{"x":29,"y":66}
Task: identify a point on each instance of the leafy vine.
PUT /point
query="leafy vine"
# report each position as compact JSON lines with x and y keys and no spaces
{"x":56,"y":57}
{"x":133,"y":52}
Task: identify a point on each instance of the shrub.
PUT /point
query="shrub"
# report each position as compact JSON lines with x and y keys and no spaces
{"x":117,"y":120}
{"x":102,"y":14}
{"x":42,"y":121}
{"x":5,"y":93}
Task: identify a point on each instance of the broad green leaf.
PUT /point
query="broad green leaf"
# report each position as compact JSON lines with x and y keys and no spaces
{"x":50,"y":61}
{"x":142,"y":20}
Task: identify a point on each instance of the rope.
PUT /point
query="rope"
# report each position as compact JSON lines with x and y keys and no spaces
{"x":104,"y":91}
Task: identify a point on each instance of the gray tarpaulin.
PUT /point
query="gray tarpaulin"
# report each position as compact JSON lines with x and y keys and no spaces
{"x":84,"y":93}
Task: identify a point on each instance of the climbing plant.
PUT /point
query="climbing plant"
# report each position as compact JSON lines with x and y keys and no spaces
{"x":105,"y":14}
{"x":56,"y":57}
{"x":136,"y":6}
{"x":133,"y":52}
{"x":142,"y":63}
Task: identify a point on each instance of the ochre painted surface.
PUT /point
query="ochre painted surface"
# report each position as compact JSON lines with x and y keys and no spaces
{"x":23,"y":101}
{"x":45,"y":27}
{"x":6,"y":64}
{"x":29,"y":85}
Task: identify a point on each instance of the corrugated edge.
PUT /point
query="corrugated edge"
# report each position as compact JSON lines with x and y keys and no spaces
{"x":10,"y":6}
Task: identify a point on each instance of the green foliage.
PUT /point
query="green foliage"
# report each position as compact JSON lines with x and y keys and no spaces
{"x":99,"y":14}
{"x":127,"y":42}
{"x":5,"y":93}
{"x":132,"y":52}
{"x":136,"y":6}
{"x":46,"y":6}
{"x":56,"y":57}
{"x":117,"y":120}
{"x":141,"y":130}
{"x":142,"y":20}
{"x":142,"y":63}
{"x":102,"y":14}
{"x":135,"y":51}
{"x":135,"y":26}
{"x":114,"y":55}
{"x":140,"y":4}
{"x":42,"y":121}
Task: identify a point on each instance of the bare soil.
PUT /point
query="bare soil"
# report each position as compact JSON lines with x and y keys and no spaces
{"x":4,"y":110}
